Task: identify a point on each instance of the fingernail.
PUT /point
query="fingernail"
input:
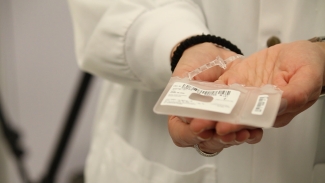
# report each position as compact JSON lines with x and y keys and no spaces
{"x":183,"y":119}
{"x":237,"y":142}
{"x":250,"y":140}
{"x":202,"y":130}
{"x":223,"y":142}
{"x":196,"y":133}
{"x":202,"y":139}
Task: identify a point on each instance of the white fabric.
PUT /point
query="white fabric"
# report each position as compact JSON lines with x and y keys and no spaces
{"x":128,"y":42}
{"x":319,"y":173}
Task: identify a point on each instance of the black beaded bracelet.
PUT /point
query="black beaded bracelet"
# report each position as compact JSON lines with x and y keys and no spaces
{"x":194,"y":40}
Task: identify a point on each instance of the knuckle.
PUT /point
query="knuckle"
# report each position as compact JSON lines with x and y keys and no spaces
{"x":178,"y":144}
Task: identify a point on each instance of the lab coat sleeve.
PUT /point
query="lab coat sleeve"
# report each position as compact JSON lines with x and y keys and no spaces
{"x":130,"y":41}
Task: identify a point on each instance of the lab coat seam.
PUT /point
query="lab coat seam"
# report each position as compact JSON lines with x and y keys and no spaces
{"x":133,"y":21}
{"x":85,"y":63}
{"x":124,"y":46}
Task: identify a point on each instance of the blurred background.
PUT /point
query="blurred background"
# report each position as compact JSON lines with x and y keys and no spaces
{"x":38,"y":78}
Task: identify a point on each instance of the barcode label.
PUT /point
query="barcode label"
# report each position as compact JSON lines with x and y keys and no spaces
{"x":260,"y":104}
{"x":223,"y":92}
{"x":215,"y":100}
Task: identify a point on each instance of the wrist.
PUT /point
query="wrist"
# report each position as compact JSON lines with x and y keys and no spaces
{"x":199,"y":39}
{"x":199,"y":55}
{"x":210,"y":51}
{"x":175,"y":47}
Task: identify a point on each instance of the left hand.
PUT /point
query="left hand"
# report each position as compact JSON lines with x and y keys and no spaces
{"x":296,"y":68}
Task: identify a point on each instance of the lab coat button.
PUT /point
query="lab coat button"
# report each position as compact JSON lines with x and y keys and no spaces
{"x":273,"y":41}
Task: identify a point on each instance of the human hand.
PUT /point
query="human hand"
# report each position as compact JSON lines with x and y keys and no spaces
{"x":187,"y":132}
{"x":296,"y":68}
{"x":198,"y":55}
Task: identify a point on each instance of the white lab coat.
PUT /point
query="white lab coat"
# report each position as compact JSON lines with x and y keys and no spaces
{"x":128,"y":43}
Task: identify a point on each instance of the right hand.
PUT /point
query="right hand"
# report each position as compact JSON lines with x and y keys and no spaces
{"x":199,"y":131}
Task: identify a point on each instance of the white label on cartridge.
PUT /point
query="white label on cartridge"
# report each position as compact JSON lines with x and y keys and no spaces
{"x":189,"y":96}
{"x":260,"y":104}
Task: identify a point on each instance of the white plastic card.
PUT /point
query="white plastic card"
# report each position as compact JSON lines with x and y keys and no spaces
{"x":253,"y":106}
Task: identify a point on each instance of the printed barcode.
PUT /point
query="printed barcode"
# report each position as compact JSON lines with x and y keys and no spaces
{"x":260,"y":105}
{"x":223,"y":93}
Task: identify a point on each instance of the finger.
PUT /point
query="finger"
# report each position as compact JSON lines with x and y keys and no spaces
{"x":204,"y":129}
{"x":212,"y":146}
{"x":183,"y":135}
{"x":285,"y":118}
{"x":228,"y":139}
{"x":255,"y":136}
{"x":223,"y":128}
{"x":178,"y":131}
{"x":185,"y":119}
{"x":300,"y":90}
{"x":236,"y":138}
{"x":218,"y":143}
{"x":242,"y":136}
{"x":200,"y":125}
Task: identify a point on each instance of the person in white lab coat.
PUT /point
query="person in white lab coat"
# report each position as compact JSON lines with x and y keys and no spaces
{"x":129,"y":43}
